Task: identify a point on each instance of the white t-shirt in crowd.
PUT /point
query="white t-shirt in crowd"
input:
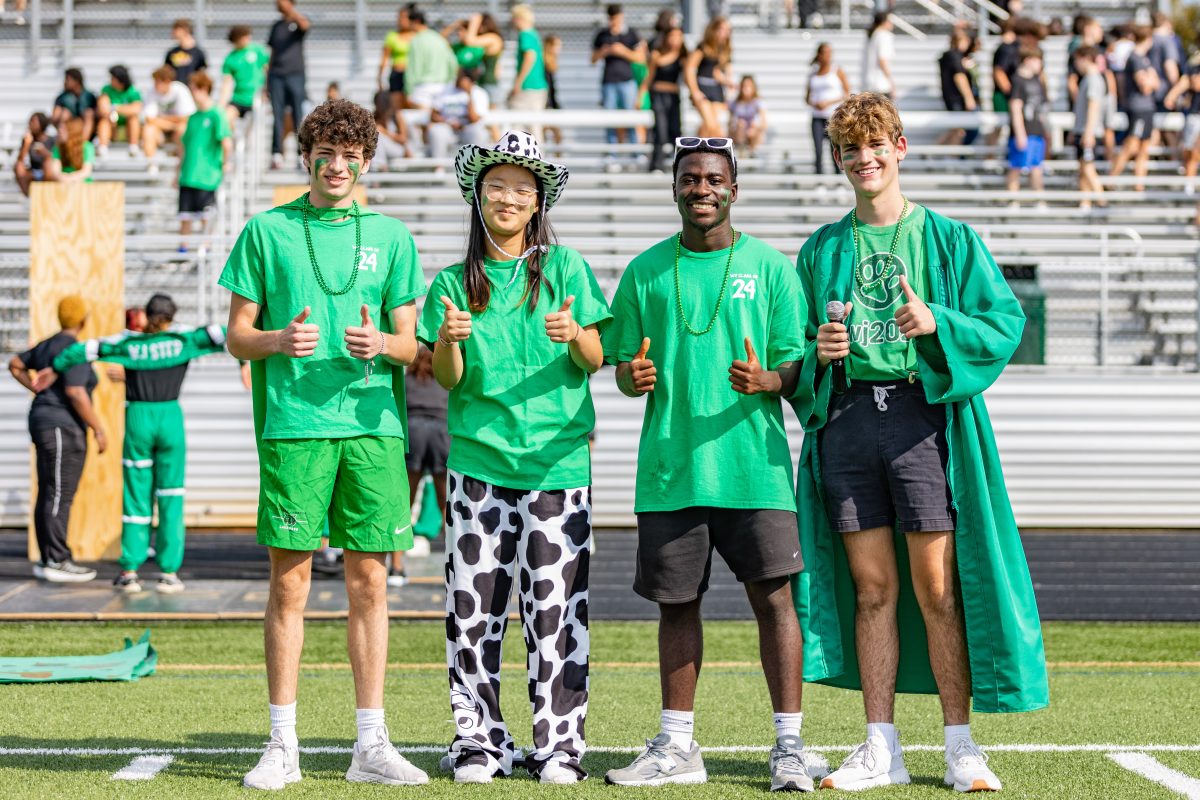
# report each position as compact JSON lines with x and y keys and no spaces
{"x":822,"y":89}
{"x":452,"y":103}
{"x":882,"y":44}
{"x":175,"y":102}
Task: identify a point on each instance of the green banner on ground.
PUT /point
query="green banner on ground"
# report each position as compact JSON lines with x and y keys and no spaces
{"x":129,"y":664}
{"x":429,"y":524}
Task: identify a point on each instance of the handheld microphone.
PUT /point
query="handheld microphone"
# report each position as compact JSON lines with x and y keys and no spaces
{"x":836,"y":311}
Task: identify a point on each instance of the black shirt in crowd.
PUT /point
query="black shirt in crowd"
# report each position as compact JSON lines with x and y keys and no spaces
{"x":617,"y":69}
{"x":52,"y":406}
{"x":425,"y":397}
{"x":154,"y":385}
{"x":186,"y":60}
{"x":1007,"y":59}
{"x":950,"y":65}
{"x":286,"y":41}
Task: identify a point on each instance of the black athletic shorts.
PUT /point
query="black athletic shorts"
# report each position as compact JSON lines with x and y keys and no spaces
{"x":883,"y":459}
{"x":674,"y":555}
{"x":241,"y":109}
{"x":428,"y":445}
{"x":396,"y":81}
{"x":194,"y":203}
{"x":1141,"y":124}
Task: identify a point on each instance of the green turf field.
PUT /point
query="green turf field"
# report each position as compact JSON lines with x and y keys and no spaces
{"x":1134,"y":687}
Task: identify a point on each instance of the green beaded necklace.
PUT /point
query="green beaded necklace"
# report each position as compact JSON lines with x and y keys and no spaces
{"x":312,"y":254}
{"x":720,"y":298}
{"x":863,"y":285}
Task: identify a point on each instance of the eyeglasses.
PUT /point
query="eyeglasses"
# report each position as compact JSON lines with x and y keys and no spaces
{"x":521,"y":195}
{"x":713,"y":142}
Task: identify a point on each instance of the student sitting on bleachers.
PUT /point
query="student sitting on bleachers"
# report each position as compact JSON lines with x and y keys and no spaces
{"x":75,"y":102}
{"x":73,"y":157}
{"x":748,"y":117}
{"x":455,"y":118}
{"x":30,"y":164}
{"x":119,"y":104}
{"x":167,"y":111}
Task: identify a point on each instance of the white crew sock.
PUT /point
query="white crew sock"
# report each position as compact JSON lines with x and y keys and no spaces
{"x":283,"y":723}
{"x":679,"y":727}
{"x":956,"y":732}
{"x":886,"y":731}
{"x":788,"y":724}
{"x":371,"y":726}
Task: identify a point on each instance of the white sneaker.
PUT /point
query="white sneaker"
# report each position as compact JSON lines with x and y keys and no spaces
{"x":381,"y":762}
{"x":558,"y":774}
{"x":279,"y":766}
{"x":277,"y":161}
{"x":420,"y":548}
{"x":967,"y":769}
{"x":473,"y":773}
{"x":870,"y":764}
{"x":169,"y":583}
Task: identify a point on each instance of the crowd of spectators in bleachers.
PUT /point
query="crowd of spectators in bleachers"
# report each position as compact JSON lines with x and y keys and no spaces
{"x":453,"y":74}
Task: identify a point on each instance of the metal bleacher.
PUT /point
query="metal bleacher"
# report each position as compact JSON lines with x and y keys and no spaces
{"x":1120,"y":280}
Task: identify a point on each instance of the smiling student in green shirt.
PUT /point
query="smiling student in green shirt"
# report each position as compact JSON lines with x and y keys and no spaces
{"x":690,"y":319}
{"x":323,"y":296}
{"x":515,"y":330}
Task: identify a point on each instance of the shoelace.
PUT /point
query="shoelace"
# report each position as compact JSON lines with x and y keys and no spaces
{"x":655,"y":752}
{"x":881,"y":396}
{"x":383,"y":747}
{"x":862,"y":756}
{"x":276,"y":753}
{"x":790,"y":759}
{"x":966,"y":749}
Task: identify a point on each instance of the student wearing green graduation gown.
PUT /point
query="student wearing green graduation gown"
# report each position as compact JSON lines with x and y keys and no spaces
{"x":905,"y":525}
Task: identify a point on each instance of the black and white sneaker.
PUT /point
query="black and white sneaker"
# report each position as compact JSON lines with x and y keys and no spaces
{"x":169,"y":583}
{"x":127,"y":582}
{"x":63,"y":572}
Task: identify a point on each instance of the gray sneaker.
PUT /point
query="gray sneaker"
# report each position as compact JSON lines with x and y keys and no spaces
{"x":790,"y":772}
{"x":661,"y":762}
{"x":63,"y":572}
{"x":381,"y":762}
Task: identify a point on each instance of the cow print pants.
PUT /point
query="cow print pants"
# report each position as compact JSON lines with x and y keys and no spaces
{"x":544,"y":539}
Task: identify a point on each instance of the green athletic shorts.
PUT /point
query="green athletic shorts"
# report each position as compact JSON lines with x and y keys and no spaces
{"x":361,"y":483}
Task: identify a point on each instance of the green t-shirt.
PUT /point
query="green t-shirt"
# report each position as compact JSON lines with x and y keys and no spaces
{"x":248,"y":66}
{"x":397,"y":44}
{"x":89,"y":157}
{"x":327,"y":394}
{"x":703,"y":444}
{"x":531,"y":40}
{"x":121,"y":98}
{"x":878,"y":350}
{"x":203,"y":157}
{"x":521,"y":414}
{"x":431,"y":60}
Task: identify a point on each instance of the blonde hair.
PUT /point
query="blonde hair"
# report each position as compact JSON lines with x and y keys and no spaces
{"x":721,"y":52}
{"x":522,"y":11}
{"x":864,"y":117}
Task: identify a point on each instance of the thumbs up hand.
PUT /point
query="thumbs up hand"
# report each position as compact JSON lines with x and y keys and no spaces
{"x":456,"y":324}
{"x":364,"y":341}
{"x":643,"y":374}
{"x":914,"y":317}
{"x":299,"y":338}
{"x":749,"y":377}
{"x":561,"y":327}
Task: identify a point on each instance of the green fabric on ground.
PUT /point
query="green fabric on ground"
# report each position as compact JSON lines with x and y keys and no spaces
{"x":129,"y":664}
{"x":429,"y":524}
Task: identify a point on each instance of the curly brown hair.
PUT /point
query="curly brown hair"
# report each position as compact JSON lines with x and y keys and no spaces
{"x":339,"y":122}
{"x":862,"y":118}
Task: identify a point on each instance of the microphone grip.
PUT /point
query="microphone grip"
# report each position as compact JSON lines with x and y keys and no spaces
{"x":839,"y":375}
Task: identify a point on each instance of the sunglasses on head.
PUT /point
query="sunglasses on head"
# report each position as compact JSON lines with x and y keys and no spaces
{"x":712,"y":142}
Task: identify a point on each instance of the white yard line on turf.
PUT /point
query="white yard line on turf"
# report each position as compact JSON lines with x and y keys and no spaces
{"x":930,"y":748}
{"x":1152,"y":769}
{"x":143,"y":768}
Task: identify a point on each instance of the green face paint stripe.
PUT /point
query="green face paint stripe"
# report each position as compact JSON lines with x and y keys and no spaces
{"x":883,"y":151}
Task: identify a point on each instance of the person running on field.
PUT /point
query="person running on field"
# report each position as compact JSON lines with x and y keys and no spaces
{"x":714,"y":469}
{"x":515,"y":330}
{"x":323,"y":303}
{"x":154,"y":456}
{"x":898,"y":455}
{"x":59,"y":418}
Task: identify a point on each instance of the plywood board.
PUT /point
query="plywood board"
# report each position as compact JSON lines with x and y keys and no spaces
{"x":77,"y":246}
{"x":287,"y":193}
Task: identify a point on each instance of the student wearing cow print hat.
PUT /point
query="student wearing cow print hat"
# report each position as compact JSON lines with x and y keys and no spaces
{"x":515,"y":331}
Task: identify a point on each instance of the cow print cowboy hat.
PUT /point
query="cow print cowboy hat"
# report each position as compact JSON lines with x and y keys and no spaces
{"x":514,"y":147}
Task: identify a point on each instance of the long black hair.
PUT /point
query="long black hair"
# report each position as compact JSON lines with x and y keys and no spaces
{"x":538,"y":235}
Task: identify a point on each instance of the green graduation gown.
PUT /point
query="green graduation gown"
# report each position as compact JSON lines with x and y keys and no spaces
{"x":979,"y":325}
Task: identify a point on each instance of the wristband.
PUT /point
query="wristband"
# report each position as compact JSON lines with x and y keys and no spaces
{"x":443,"y":340}
{"x":578,"y":331}
{"x":382,"y":345}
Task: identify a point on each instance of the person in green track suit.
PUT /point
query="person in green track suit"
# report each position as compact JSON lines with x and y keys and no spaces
{"x":915,"y":579}
{"x":154,"y":456}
